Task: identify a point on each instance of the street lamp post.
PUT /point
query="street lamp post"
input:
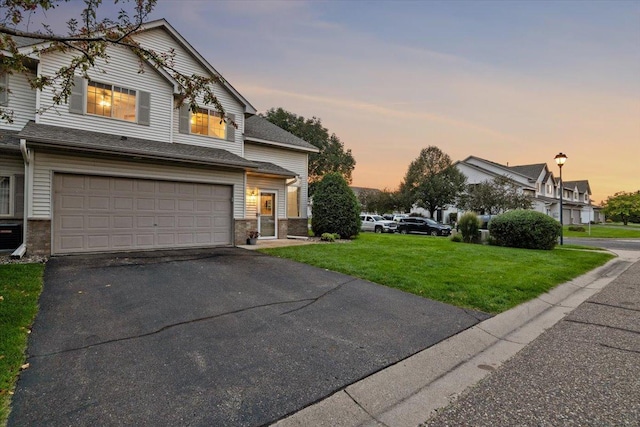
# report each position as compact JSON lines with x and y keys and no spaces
{"x":560,"y":160}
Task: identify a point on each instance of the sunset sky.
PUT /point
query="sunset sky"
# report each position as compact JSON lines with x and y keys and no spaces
{"x":508,"y":81}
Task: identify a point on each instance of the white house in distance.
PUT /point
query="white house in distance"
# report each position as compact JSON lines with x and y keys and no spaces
{"x":539,"y":182}
{"x":120,"y":168}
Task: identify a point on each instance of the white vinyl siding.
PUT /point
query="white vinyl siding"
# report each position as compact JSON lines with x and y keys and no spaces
{"x":160,"y":41}
{"x":45,"y":164}
{"x":22,"y":101}
{"x":122,"y":71}
{"x":295,"y":161}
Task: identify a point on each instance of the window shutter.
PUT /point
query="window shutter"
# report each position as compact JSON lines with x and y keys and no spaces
{"x":4,"y":89}
{"x":231,"y":130}
{"x":18,"y":201}
{"x":184,"y":119}
{"x":76,"y":101}
{"x":144,"y":108}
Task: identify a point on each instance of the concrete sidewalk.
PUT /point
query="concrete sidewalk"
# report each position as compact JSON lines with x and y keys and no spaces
{"x":412,"y":392}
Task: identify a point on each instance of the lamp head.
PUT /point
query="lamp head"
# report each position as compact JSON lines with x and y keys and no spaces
{"x":561,"y":159}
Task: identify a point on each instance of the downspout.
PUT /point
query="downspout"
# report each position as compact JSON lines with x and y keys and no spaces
{"x":26,"y":157}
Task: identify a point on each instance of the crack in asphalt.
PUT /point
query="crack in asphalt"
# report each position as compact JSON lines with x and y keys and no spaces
{"x":613,"y":306}
{"x":619,"y":348}
{"x":603,"y":326}
{"x":201,"y":319}
{"x":314,"y":300}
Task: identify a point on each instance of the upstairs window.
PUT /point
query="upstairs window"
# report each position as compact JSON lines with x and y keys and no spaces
{"x":106,"y":100}
{"x":207,"y":122}
{"x":111,"y":101}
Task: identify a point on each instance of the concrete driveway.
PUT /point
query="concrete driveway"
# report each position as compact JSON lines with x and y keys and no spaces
{"x":217,"y":337}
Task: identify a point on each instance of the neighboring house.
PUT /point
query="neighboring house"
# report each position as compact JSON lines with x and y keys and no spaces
{"x":537,"y":181}
{"x":120,"y":168}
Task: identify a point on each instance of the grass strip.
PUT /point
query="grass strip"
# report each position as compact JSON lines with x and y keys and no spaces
{"x":20,"y":287}
{"x":487,"y":278}
{"x":605,"y":231}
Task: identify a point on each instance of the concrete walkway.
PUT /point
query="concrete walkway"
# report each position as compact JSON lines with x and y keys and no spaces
{"x":414,"y":390}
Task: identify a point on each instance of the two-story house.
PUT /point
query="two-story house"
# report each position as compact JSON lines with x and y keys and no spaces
{"x":537,"y":181}
{"x":120,"y":167}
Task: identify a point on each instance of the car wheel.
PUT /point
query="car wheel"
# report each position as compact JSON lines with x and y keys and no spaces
{"x":378,"y":230}
{"x":434,"y":232}
{"x":403,"y":231}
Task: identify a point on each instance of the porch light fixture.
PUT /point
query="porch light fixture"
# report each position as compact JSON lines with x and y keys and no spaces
{"x":560,"y":160}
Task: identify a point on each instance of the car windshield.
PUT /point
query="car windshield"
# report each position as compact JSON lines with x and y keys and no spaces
{"x":431,"y":222}
{"x":378,"y":218}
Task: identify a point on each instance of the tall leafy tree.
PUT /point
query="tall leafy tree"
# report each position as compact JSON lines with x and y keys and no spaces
{"x":623,"y":205}
{"x":332,"y":156}
{"x":86,"y":43}
{"x":494,"y":196}
{"x":431,"y":181}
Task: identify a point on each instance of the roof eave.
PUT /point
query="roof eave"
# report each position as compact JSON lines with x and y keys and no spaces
{"x":135,"y":154}
{"x":281,"y":144}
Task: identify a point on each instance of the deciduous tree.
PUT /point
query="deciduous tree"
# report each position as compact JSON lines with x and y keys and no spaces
{"x":623,"y":205}
{"x":431,"y":181}
{"x":494,"y":197}
{"x":332,"y":156}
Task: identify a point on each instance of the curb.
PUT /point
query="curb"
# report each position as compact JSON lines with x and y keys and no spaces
{"x":412,"y":390}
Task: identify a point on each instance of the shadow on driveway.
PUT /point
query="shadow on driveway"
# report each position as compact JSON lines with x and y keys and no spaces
{"x":210,"y":337}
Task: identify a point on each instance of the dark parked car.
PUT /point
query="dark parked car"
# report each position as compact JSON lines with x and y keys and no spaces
{"x":423,"y":225}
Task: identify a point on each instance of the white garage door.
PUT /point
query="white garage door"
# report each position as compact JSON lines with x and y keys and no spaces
{"x":95,"y":213}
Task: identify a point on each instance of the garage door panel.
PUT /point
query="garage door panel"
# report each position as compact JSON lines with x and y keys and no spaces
{"x":105,"y":213}
{"x":146,"y":204}
{"x":98,"y":222}
{"x":98,"y":183}
{"x":99,"y":203}
{"x":72,"y":202}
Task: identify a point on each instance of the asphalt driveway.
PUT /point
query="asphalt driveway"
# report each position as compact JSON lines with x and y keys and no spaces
{"x":217,"y":337}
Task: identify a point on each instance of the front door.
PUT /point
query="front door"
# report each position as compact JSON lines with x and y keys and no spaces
{"x":267,"y":219}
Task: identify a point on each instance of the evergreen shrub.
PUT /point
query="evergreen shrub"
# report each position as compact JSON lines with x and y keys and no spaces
{"x":335,"y":208}
{"x":469,"y":226}
{"x":525,"y":229}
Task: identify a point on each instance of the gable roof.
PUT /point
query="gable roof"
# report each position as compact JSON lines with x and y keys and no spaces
{"x":260,"y":130}
{"x":162,"y":23}
{"x":507,"y":169}
{"x":532,"y":171}
{"x":136,"y":148}
{"x":25,"y":43}
{"x":582,"y":185}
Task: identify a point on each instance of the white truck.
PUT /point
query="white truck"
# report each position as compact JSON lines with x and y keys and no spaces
{"x":377,"y":224}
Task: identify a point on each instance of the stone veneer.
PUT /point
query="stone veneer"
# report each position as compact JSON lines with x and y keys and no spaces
{"x":298,"y":227}
{"x":242,"y":226}
{"x":39,"y":237}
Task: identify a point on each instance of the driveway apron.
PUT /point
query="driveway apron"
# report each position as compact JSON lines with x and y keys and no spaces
{"x":223,"y":337}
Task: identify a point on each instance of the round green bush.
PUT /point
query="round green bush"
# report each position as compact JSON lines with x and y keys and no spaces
{"x":335,"y":208}
{"x":469,"y":226}
{"x":525,"y":229}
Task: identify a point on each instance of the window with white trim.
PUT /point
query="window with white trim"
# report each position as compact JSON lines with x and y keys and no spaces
{"x":111,"y":101}
{"x":209,"y":123}
{"x":5,"y":196}
{"x":293,"y":202}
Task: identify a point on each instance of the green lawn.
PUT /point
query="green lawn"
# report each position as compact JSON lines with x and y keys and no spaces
{"x":20,"y":287}
{"x":487,"y":278}
{"x":609,"y":231}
